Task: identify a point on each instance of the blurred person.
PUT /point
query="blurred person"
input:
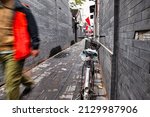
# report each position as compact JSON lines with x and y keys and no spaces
{"x":18,"y":40}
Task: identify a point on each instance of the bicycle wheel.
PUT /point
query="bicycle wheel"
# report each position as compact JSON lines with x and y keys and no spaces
{"x":85,"y":88}
{"x":82,"y":81}
{"x":92,"y":78}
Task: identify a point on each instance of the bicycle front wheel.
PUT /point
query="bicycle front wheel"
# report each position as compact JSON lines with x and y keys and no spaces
{"x":85,"y":82}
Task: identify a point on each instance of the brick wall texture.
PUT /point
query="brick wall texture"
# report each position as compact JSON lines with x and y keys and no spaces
{"x":133,"y":55}
{"x":54,"y":21}
{"x":106,"y":29}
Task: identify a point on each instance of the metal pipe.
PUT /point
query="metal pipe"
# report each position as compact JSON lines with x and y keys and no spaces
{"x":106,"y":48}
{"x":87,"y":78}
{"x":114,"y":69}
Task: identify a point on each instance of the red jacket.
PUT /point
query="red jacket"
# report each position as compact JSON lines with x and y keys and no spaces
{"x":25,"y":31}
{"x":21,"y":36}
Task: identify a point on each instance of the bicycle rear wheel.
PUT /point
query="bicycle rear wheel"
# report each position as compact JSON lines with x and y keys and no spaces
{"x":92,"y":78}
{"x":85,"y":82}
{"x":87,"y":92}
{"x":82,"y":81}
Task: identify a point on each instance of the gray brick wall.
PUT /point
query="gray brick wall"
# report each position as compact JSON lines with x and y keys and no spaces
{"x":107,"y":29}
{"x":54,"y":20}
{"x":133,"y":55}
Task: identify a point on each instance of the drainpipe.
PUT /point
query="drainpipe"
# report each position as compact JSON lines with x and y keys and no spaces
{"x":76,"y":29}
{"x":56,"y":24}
{"x":114,"y":69}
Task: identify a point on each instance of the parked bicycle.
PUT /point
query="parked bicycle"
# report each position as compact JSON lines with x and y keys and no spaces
{"x":89,"y":56}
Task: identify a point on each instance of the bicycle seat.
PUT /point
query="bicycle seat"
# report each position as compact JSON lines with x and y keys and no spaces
{"x":90,"y":52}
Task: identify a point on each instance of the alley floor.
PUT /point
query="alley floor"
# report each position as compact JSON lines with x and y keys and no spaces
{"x":59,"y":77}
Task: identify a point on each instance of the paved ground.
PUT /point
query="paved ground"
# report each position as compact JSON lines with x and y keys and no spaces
{"x":58,"y":78}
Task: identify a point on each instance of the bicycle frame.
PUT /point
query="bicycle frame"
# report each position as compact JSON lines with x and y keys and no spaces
{"x":86,"y":84}
{"x":88,"y":56}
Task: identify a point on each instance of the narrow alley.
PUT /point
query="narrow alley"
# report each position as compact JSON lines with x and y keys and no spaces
{"x":59,"y":77}
{"x":73,"y":58}
{"x":121,"y":27}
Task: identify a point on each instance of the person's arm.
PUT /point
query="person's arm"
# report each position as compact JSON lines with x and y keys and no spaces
{"x":33,"y":31}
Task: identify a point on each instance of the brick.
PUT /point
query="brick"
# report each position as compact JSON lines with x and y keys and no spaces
{"x":134,"y":51}
{"x":122,"y":29}
{"x":139,"y":62}
{"x":133,"y":3}
{"x":130,"y":20}
{"x":135,"y":18}
{"x":146,"y":14}
{"x":142,"y":25}
{"x":124,"y":22}
{"x":133,"y":67}
{"x":145,"y":45}
{"x":147,"y":4}
{"x":130,"y":27}
{"x":138,"y":17}
{"x":128,"y":1}
{"x":130,"y":12}
{"x":122,"y":46}
{"x":130,"y":35}
{"x":145,"y":55}
{"x":126,"y":67}
{"x":139,"y":8}
{"x":123,"y":35}
{"x":128,"y":42}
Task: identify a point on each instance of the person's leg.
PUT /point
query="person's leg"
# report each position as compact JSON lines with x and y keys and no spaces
{"x":13,"y":75}
{"x":29,"y":83}
{"x":26,"y":81}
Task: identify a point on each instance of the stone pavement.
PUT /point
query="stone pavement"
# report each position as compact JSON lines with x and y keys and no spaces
{"x":58,"y":78}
